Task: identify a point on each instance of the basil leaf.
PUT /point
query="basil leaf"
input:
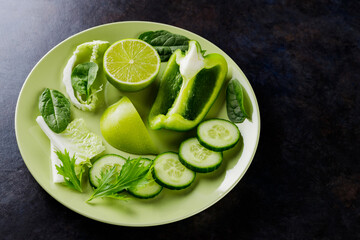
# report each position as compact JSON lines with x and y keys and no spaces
{"x":165,"y":42}
{"x":55,"y":109}
{"x":235,"y":102}
{"x":83,"y":76}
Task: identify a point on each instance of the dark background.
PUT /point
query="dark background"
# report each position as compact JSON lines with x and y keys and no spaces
{"x":302,"y":59}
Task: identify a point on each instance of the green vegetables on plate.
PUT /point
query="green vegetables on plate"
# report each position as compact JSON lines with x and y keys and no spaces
{"x":189,"y":86}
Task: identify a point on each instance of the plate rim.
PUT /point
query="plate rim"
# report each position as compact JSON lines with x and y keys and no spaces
{"x":16,"y":121}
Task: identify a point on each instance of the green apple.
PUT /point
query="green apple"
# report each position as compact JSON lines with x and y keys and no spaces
{"x":123,"y":128}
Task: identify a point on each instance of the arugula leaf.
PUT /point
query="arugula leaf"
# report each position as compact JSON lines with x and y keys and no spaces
{"x":55,"y":109}
{"x":165,"y":42}
{"x":83,"y":76}
{"x":111,"y":183}
{"x":67,"y":169}
{"x":235,"y":102}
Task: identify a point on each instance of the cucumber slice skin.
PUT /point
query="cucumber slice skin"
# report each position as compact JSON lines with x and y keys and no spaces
{"x":143,"y":196}
{"x":166,"y":185}
{"x":171,"y":187}
{"x":134,"y":190}
{"x":198,"y":169}
{"x":91,"y":180}
{"x":214,"y":148}
{"x":217,"y":148}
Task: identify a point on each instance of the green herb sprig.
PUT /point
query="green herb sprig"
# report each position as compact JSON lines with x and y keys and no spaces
{"x":67,"y":170}
{"x":111,"y":183}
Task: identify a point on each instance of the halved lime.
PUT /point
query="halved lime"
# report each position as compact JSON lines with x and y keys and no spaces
{"x":131,"y":64}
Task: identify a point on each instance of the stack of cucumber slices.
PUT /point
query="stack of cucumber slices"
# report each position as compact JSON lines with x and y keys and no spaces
{"x":202,"y":154}
{"x":144,"y":188}
{"x":174,"y":171}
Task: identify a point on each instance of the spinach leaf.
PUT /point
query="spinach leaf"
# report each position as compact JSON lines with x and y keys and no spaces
{"x":165,"y":42}
{"x":83,"y":76}
{"x":55,"y":109}
{"x":235,"y":102}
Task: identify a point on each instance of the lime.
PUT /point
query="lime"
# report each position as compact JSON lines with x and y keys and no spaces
{"x":123,"y":128}
{"x":131,"y":64}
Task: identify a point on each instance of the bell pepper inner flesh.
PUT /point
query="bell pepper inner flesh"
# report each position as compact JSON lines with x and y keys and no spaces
{"x":192,"y":62}
{"x":189,"y":86}
{"x":201,"y":92}
{"x":170,"y":86}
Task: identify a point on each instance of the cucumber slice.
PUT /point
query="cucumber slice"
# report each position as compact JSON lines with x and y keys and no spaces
{"x":218,"y":134}
{"x":103,"y":163}
{"x":198,"y":158}
{"x":170,"y":173}
{"x":146,"y":187}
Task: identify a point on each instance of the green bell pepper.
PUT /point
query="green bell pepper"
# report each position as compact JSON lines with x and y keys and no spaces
{"x":189,"y":86}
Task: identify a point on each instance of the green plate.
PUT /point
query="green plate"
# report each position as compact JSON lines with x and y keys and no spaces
{"x":169,"y":206}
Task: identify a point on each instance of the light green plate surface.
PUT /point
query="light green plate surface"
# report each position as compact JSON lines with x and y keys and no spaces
{"x":169,"y":206}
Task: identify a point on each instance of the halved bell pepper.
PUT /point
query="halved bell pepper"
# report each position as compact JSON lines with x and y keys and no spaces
{"x":189,"y":86}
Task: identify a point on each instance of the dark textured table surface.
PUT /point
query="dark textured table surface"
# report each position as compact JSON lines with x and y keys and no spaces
{"x":302,"y":59}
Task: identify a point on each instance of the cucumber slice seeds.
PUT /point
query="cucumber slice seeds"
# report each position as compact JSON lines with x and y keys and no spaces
{"x":170,"y":173}
{"x":198,"y":158}
{"x":146,"y":187}
{"x":218,"y":134}
{"x":105,"y":162}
